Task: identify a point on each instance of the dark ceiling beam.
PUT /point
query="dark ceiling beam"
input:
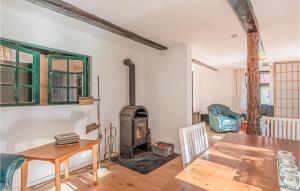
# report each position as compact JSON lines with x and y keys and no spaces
{"x":77,"y":13}
{"x":204,"y":65}
{"x":245,"y":13}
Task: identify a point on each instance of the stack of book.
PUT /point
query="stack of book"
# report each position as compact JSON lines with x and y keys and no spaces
{"x":67,"y":138}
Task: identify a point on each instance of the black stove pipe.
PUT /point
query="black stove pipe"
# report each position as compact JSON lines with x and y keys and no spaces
{"x":131,"y":67}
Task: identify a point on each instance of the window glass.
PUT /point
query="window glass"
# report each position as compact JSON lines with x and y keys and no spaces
{"x":25,"y":60}
{"x":59,"y":95}
{"x":75,"y":93}
{"x":76,"y":80}
{"x":7,"y":56}
{"x":7,"y":94}
{"x":7,"y":75}
{"x":25,"y":94}
{"x":76,"y":66}
{"x":59,"y":79}
{"x":64,"y":76}
{"x":59,"y":72}
{"x":265,"y":90}
{"x":25,"y":77}
{"x":68,"y":79}
{"x":265,"y":97}
{"x":17,"y":74}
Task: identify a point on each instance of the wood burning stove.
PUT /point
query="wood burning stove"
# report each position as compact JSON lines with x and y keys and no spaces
{"x":134,"y":129}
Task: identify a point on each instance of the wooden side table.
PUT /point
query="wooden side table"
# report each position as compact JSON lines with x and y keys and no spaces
{"x":57,"y":154}
{"x":196,"y":117}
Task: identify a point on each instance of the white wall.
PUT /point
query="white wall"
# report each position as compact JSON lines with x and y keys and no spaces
{"x":26,"y":127}
{"x":168,"y":92}
{"x":211,"y":87}
{"x":163,"y":84}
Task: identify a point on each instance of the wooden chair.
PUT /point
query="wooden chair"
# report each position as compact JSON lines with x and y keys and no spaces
{"x":193,"y":141}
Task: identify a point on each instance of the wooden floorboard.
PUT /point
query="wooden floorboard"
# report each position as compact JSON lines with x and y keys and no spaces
{"x":119,"y":178}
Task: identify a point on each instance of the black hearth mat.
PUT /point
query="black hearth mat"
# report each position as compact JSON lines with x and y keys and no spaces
{"x":146,"y":162}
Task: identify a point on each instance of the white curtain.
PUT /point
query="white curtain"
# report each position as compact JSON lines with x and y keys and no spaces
{"x":240,"y":91}
{"x":272,"y":85}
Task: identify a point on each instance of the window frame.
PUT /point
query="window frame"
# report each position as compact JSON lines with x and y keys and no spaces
{"x":86,"y":76}
{"x":35,"y":70}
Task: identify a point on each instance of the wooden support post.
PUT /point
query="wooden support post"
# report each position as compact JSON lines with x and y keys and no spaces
{"x":253,"y":95}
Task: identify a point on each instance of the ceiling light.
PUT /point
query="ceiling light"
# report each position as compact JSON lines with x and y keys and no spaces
{"x":234,"y":35}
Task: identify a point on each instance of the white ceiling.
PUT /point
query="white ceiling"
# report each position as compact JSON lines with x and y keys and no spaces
{"x":279,"y":22}
{"x":205,"y":24}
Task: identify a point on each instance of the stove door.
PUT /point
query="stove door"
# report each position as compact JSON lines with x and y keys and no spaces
{"x":140,"y":131}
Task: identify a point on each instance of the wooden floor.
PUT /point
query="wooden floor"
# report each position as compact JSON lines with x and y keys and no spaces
{"x":119,"y":178}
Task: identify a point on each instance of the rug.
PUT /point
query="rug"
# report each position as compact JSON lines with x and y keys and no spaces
{"x":146,"y":162}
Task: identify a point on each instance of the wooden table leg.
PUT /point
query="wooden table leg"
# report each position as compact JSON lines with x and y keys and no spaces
{"x":24,"y":171}
{"x":67,"y":169}
{"x":95,"y":156}
{"x":57,"y":175}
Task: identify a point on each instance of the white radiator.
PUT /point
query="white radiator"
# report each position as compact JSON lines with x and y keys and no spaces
{"x":282,"y":128}
{"x":193,"y":141}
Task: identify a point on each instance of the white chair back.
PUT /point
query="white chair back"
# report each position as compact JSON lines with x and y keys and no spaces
{"x":282,"y":128}
{"x":193,"y":141}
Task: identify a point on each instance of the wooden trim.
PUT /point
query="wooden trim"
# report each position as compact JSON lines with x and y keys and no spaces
{"x":79,"y":14}
{"x":24,"y":172}
{"x":287,"y":62}
{"x":204,"y":65}
{"x":289,"y":109}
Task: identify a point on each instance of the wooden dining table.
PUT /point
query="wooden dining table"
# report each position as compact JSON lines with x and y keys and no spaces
{"x":235,"y":163}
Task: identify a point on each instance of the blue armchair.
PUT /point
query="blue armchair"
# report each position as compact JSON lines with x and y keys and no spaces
{"x":9,"y":164}
{"x":223,"y":119}
{"x":264,"y":110}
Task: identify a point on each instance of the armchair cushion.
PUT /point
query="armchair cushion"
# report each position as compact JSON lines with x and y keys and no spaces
{"x":233,"y":115}
{"x":227,"y":121}
{"x":9,"y":164}
{"x":218,"y":109}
